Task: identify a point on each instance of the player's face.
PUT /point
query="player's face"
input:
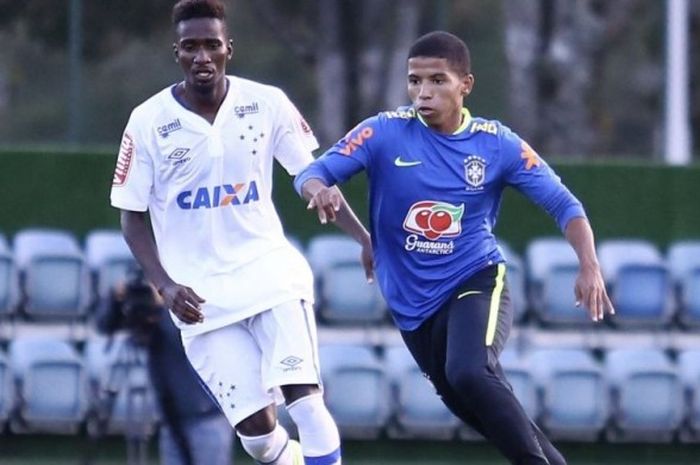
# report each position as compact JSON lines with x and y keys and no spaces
{"x":437,"y":92}
{"x":202,"y":50}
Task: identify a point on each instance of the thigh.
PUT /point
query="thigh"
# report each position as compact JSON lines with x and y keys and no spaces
{"x":211,"y":440}
{"x":286,"y":335}
{"x":479,"y":319}
{"x":228,"y":361}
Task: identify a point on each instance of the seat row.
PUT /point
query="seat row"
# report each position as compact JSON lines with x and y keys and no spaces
{"x":48,"y":275}
{"x":642,"y":394}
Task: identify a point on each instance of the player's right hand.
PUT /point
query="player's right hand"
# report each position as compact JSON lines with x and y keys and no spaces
{"x":183,"y":302}
{"x":326,"y":201}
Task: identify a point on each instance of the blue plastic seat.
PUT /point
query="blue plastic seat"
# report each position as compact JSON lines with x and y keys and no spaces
{"x":53,"y":276}
{"x":689,"y":371}
{"x":553,"y":268}
{"x":356,"y":389}
{"x":518,"y":373}
{"x":344,"y":295}
{"x":639,"y":281}
{"x":574,"y":393}
{"x":515,"y":276}
{"x":683,"y":260}
{"x":418,"y":411}
{"x":7,"y":394}
{"x":109,"y":259}
{"x":51,"y":383}
{"x":647,"y":400}
{"x":9,"y":284}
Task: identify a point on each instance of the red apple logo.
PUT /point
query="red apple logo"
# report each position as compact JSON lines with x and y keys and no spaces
{"x":433,"y":219}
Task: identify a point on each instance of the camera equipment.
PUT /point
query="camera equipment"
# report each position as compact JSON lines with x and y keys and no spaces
{"x":125,"y":398}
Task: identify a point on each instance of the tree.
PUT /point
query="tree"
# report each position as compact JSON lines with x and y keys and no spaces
{"x":556,"y":51}
{"x":357,"y":50}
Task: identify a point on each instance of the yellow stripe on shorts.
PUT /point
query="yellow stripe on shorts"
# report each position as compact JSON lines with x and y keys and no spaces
{"x":495,"y":304}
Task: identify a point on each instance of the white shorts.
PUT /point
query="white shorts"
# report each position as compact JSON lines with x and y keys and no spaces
{"x":243,"y":364}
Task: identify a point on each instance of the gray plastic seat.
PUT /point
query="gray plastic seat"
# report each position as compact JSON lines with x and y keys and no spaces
{"x":9,"y":284}
{"x":356,"y":389}
{"x":553,"y":268}
{"x":647,"y":395}
{"x":345,"y":297}
{"x":689,"y":371}
{"x":53,"y":275}
{"x":565,"y":374}
{"x":640,"y":284}
{"x":51,"y":383}
{"x":418,"y":411}
{"x":683,"y":261}
{"x":515,"y":276}
{"x":109,"y":259}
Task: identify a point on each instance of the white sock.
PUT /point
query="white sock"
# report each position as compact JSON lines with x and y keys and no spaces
{"x":318,"y":432}
{"x":270,"y":448}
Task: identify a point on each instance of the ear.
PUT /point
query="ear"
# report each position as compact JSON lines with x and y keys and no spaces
{"x":175,"y":52}
{"x":229,"y":46}
{"x":467,"y":84}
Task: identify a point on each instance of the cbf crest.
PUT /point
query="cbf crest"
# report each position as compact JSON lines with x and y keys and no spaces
{"x":474,"y":172}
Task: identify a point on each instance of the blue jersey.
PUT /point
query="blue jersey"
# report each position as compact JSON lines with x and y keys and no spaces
{"x":434,"y":199}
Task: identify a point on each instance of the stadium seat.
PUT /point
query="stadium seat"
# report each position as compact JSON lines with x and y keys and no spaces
{"x":418,"y":411}
{"x":7,"y":395}
{"x":646,"y":394}
{"x":683,"y":260}
{"x":553,"y":268}
{"x":53,"y":276}
{"x":639,"y":283}
{"x":356,"y":389}
{"x":518,"y":373}
{"x":344,"y":295}
{"x":516,"y":281}
{"x":51,"y":386}
{"x":9,"y":286}
{"x":122,"y":398}
{"x":574,"y":393}
{"x":689,"y":370}
{"x":109,"y":259}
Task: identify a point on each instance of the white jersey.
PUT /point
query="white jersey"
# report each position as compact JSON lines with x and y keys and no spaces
{"x":208,"y":190}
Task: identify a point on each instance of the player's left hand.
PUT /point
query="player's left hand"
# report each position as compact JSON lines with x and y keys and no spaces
{"x":590,"y":292}
{"x":326,"y":201}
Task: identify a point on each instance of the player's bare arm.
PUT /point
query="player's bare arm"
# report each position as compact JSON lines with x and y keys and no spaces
{"x":590,"y":287}
{"x":331,"y":206}
{"x":182,"y":300}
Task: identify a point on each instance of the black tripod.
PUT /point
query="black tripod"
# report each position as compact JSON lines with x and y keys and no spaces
{"x":125,"y":403}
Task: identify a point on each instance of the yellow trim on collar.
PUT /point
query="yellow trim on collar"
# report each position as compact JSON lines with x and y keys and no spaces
{"x":466,"y":119}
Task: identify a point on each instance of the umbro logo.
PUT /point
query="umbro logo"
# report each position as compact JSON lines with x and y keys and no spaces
{"x":403,"y":163}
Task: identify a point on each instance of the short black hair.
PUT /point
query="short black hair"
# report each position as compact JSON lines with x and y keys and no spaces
{"x":441,"y":44}
{"x":189,"y":9}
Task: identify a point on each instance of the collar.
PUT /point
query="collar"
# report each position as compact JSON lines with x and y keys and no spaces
{"x":466,"y":119}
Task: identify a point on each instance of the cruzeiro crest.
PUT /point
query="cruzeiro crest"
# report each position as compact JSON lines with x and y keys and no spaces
{"x":474,"y":172}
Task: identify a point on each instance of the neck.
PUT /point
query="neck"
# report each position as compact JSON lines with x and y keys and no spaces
{"x":204,"y":101}
{"x":451,"y":123}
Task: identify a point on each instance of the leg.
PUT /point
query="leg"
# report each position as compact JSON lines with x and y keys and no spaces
{"x":238,"y":389}
{"x":288,"y":335}
{"x":477,"y":328}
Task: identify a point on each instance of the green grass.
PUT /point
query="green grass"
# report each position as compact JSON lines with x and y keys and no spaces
{"x":70,"y":450}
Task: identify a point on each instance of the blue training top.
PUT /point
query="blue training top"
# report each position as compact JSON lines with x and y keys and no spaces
{"x":434,"y":199}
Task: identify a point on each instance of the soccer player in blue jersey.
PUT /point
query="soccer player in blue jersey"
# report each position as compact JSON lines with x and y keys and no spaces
{"x":436,"y":177}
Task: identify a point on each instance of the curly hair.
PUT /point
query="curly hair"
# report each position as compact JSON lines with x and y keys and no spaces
{"x":441,"y":44}
{"x":189,"y":9}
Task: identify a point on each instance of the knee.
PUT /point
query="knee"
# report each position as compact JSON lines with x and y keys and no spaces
{"x":467,"y":379}
{"x":260,"y":423}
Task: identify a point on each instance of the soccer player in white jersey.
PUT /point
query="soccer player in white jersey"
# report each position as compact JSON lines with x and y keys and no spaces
{"x":196,"y":158}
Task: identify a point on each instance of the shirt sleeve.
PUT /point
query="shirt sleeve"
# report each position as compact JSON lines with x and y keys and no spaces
{"x":132,"y":182}
{"x":349,"y":156}
{"x":293,"y":140}
{"x":531,"y":175}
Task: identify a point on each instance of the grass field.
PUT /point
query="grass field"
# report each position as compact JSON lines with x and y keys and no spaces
{"x":70,"y":450}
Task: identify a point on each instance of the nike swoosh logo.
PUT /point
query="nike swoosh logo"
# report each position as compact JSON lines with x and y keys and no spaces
{"x":464,"y":294}
{"x":400,"y":162}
